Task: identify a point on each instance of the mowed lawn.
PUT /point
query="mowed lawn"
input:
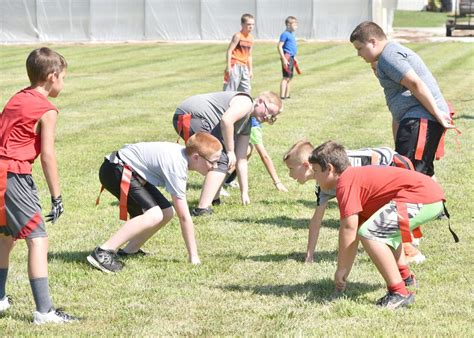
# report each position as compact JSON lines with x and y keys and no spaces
{"x":253,"y":280}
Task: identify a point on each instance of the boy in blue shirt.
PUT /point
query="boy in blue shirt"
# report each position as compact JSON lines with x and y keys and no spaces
{"x":287,"y":49}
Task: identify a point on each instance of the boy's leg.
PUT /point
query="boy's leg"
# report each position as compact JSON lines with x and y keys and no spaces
{"x":210,"y":188}
{"x":6,"y":246}
{"x":244,"y":83}
{"x":38,"y":272}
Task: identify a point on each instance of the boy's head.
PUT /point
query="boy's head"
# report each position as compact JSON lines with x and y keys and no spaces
{"x":329,"y":160}
{"x":369,"y":40}
{"x":267,"y":107}
{"x":296,"y":159}
{"x":43,"y":64}
{"x":291,"y":23}
{"x":247,"y":21}
{"x":203,"y":151}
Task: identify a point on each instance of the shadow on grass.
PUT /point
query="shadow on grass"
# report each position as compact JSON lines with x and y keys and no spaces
{"x":327,"y":256}
{"x":288,"y":222}
{"x":464,"y":117}
{"x":70,"y":256}
{"x":321,"y":291}
{"x":312,"y":203}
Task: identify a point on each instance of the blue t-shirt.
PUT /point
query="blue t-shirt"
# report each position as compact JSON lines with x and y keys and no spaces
{"x":289,"y":43}
{"x":393,"y":64}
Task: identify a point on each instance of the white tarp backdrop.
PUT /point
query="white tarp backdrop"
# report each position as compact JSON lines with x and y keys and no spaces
{"x":121,"y":20}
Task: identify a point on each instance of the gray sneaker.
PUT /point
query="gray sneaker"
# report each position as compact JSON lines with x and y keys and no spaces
{"x":5,"y":303}
{"x":394,"y":300}
{"x":53,"y":316}
{"x":105,"y":260}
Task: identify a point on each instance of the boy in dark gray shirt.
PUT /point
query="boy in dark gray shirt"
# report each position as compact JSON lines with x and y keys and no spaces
{"x":419,"y":111}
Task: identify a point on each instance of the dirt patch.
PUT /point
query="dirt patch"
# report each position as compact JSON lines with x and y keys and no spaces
{"x":438,"y":34}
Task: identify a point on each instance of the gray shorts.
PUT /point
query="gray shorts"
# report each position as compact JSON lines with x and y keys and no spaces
{"x":23,"y":208}
{"x":239,"y":80}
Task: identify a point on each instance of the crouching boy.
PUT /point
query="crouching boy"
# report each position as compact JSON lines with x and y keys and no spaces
{"x":380,"y":206}
{"x":132,"y":174}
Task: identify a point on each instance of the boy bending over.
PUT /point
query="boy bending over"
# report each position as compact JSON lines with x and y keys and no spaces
{"x":381,"y":206}
{"x":132,"y":173}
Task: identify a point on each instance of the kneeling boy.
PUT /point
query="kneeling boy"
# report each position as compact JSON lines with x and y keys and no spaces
{"x":131,"y":175}
{"x":380,"y":206}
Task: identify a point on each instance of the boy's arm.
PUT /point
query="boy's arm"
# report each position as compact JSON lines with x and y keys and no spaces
{"x":418,"y":88}
{"x":242,"y":143}
{"x":233,"y":43}
{"x":313,"y":234}
{"x":47,"y":126}
{"x":395,"y":126}
{"x":267,"y":161}
{"x":187,"y":228}
{"x":240,"y":106}
{"x":283,"y":59}
{"x":347,"y":250}
{"x":250,"y":63}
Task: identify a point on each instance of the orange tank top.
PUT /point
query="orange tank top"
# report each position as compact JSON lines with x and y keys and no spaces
{"x":242,"y":51}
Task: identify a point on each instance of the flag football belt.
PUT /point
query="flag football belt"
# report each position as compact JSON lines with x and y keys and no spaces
{"x":420,"y":145}
{"x":401,"y":161}
{"x":295,"y":64}
{"x":184,"y":126}
{"x":3,"y":190}
{"x":127,"y":173}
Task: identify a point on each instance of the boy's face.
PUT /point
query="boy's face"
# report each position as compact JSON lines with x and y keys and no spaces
{"x":264,"y":112}
{"x":292,"y":26}
{"x":248,"y":26}
{"x":326,"y":179}
{"x":369,"y":51}
{"x":300,"y":172}
{"x":57,"y":83}
{"x":208,"y":164}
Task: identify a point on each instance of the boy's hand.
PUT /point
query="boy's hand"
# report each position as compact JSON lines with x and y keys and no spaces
{"x":281,"y":187}
{"x":232,"y":159}
{"x":194,"y":260}
{"x":309,"y":259}
{"x":57,"y":208}
{"x":245,"y":199}
{"x":340,"y":280}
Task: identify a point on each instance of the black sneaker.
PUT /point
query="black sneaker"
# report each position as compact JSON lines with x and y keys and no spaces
{"x":201,"y":211}
{"x":139,"y":253}
{"x":411,"y":281}
{"x":395,"y":300}
{"x":105,"y":260}
{"x":217,"y":201}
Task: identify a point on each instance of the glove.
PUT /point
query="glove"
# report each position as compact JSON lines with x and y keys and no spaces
{"x":57,"y":208}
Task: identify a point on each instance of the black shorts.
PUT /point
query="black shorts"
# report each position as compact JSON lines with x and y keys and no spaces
{"x":407,"y":140}
{"x":197,"y":125}
{"x":288,"y":72}
{"x":140,"y":198}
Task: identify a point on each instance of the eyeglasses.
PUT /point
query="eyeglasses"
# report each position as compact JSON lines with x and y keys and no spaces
{"x":212,"y":163}
{"x":269,"y":117}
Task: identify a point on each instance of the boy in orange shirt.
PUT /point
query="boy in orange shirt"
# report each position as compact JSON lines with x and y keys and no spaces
{"x":238,"y":72}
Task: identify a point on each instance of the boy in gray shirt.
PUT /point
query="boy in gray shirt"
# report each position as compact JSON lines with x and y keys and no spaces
{"x":420,"y":113}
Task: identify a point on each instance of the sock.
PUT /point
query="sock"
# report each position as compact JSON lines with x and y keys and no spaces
{"x":39,"y":287}
{"x":3,"y":282}
{"x":231,"y":177}
{"x":404,"y":271}
{"x":399,"y":288}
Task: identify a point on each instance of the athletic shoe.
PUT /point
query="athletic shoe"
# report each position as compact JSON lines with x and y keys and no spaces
{"x":201,"y":211}
{"x":105,"y":260}
{"x":233,"y":184}
{"x":216,"y":201}
{"x":139,"y":253}
{"x":224,"y":193}
{"x":410,"y":281}
{"x":5,"y":303}
{"x":416,"y":241}
{"x":395,"y":300}
{"x":53,"y":316}
{"x":412,"y":254}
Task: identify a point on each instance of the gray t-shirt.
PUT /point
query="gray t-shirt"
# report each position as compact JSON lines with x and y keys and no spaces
{"x":160,"y":163}
{"x":211,"y":107}
{"x":393,"y":64}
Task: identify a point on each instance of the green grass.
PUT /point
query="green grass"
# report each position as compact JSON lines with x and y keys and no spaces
{"x":420,"y":19}
{"x":252,"y":280}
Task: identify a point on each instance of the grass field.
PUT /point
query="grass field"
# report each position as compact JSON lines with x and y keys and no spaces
{"x":420,"y":19}
{"x":253,"y":280}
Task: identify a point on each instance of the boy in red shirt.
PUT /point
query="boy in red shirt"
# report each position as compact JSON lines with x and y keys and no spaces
{"x":27,"y":127}
{"x":380,"y":206}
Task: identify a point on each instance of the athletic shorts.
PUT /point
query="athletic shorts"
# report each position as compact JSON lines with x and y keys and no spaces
{"x":23,"y":208}
{"x":201,"y":125}
{"x":256,"y":136}
{"x":407,"y":140}
{"x":239,"y":80}
{"x":140,"y":198}
{"x":383,"y":225}
{"x":288,"y":72}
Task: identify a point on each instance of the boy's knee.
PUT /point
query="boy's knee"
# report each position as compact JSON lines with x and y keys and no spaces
{"x":168,"y":214}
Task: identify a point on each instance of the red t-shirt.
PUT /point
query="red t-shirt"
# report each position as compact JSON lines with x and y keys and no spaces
{"x":20,"y":145}
{"x":364,"y":190}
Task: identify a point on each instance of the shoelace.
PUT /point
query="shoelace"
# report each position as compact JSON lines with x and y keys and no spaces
{"x":60,"y":313}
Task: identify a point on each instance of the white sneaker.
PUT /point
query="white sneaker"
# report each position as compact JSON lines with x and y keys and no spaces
{"x":416,"y":241}
{"x":5,"y":303}
{"x":233,"y":184}
{"x":53,"y":316}
{"x":224,"y":193}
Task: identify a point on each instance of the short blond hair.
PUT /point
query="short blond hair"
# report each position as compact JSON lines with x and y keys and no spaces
{"x":204,"y":144}
{"x":299,"y":152}
{"x":272,"y":97}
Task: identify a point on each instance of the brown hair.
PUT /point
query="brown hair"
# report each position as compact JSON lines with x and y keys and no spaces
{"x":245,"y":18}
{"x":299,"y":152}
{"x":332,"y":153}
{"x":289,"y":20}
{"x":204,"y":144}
{"x":366,"y":31}
{"x":43,"y":61}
